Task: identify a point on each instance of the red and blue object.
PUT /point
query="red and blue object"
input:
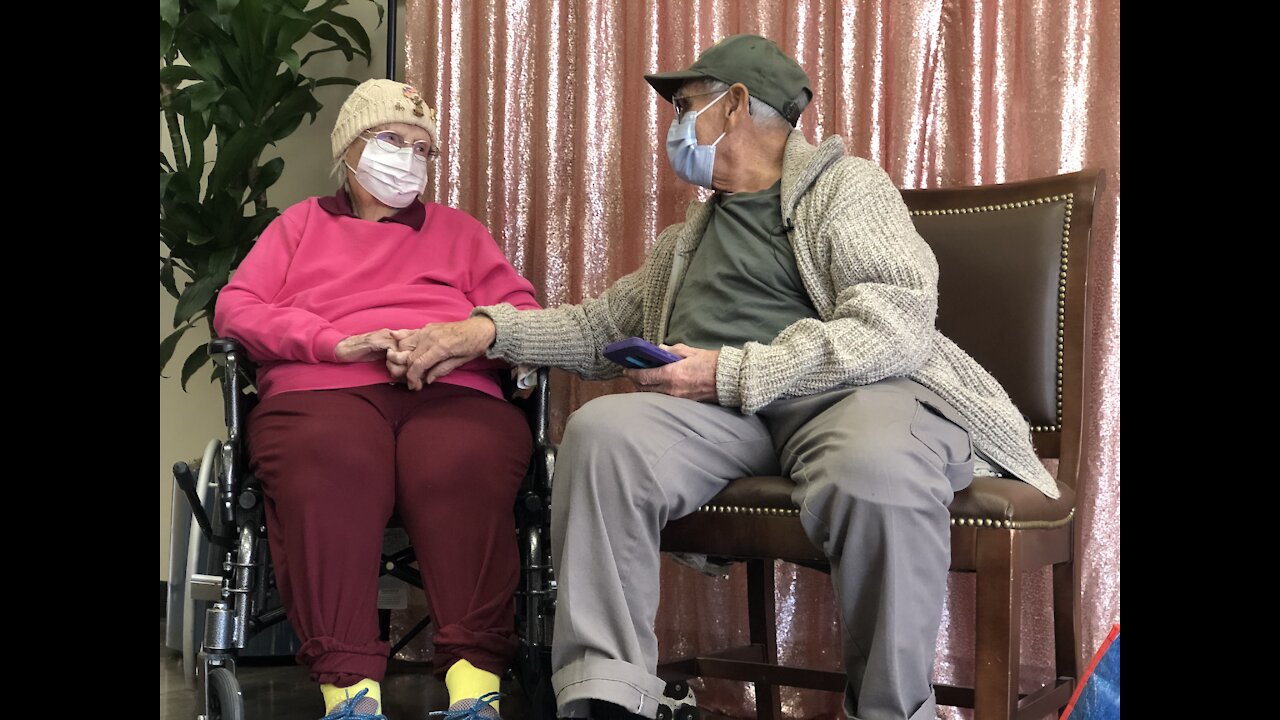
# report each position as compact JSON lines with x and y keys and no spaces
{"x":637,"y":352}
{"x":1098,"y":696}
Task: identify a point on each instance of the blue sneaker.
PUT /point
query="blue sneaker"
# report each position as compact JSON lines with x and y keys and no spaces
{"x":356,"y":707}
{"x":480,"y":708}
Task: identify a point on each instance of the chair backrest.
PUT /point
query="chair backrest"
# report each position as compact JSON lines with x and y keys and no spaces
{"x":1013,"y":263}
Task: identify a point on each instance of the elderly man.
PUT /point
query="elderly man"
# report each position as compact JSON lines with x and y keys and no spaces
{"x":802,"y":302}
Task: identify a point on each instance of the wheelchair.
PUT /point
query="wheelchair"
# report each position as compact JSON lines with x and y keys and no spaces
{"x":240,"y":588}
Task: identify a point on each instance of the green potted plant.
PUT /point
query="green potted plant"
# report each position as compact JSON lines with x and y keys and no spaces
{"x":231,"y":68}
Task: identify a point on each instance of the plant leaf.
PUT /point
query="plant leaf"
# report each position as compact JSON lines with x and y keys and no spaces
{"x":234,"y":59}
{"x":198,"y":97}
{"x":337,"y":81}
{"x":289,"y":111}
{"x":198,"y":357}
{"x":293,"y":13}
{"x":317,"y":13}
{"x":284,"y":131}
{"x":291,"y":31}
{"x":183,"y":191}
{"x":260,"y":222}
{"x":220,"y":264}
{"x":168,"y":345}
{"x":196,"y":130}
{"x":200,"y":44}
{"x":166,"y":277}
{"x":169,"y":12}
{"x":194,"y":298}
{"x":175,"y":74}
{"x":234,"y":159}
{"x":268,"y":174}
{"x":325,"y":31}
{"x":290,"y":58}
{"x":321,"y":51}
{"x":236,"y":98}
{"x":166,"y":38}
{"x":352,"y":27}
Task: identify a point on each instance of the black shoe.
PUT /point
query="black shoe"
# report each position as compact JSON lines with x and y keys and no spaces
{"x":604,"y":710}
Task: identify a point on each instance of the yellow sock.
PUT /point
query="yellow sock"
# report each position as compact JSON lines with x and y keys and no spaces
{"x":334,"y":694}
{"x":465,"y":680}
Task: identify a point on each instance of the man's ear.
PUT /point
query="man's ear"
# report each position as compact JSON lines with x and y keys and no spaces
{"x":740,"y":105}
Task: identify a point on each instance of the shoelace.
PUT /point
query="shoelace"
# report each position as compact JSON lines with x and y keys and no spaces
{"x":346,"y":710}
{"x":471,"y":713}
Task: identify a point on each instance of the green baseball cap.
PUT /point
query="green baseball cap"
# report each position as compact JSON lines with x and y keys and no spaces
{"x":769,"y":74}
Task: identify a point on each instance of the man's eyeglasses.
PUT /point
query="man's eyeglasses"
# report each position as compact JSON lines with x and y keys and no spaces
{"x":682,"y":103}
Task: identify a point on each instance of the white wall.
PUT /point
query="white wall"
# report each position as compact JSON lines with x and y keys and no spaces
{"x":188,"y":420}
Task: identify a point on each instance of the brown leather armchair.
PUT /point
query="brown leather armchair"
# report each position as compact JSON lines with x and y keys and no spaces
{"x":1013,"y":262}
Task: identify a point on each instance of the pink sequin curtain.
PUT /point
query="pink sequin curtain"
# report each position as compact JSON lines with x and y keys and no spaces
{"x":551,"y":137}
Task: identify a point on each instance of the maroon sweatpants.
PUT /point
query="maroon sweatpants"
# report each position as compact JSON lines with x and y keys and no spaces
{"x":333,"y":465}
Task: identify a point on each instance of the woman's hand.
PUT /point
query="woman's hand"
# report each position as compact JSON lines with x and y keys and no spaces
{"x":398,"y":359}
{"x":368,"y":347}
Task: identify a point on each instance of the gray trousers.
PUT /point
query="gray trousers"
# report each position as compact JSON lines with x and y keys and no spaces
{"x":875,"y":468}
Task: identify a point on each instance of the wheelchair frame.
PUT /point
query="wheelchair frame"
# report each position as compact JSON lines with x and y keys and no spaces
{"x":238,"y":594}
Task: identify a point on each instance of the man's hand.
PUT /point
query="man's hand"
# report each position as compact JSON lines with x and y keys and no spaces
{"x":365,"y":348}
{"x":424,"y":356}
{"x":693,"y":378}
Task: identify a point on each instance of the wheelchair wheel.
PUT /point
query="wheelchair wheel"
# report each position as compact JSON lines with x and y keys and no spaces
{"x":225,"y":700}
{"x":195,"y":544}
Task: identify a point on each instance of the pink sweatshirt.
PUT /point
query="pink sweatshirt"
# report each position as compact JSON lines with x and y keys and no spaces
{"x":318,"y":274}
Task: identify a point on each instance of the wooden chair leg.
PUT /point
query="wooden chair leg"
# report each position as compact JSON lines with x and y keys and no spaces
{"x":1066,"y":621}
{"x":998,"y":625}
{"x":762,"y":614}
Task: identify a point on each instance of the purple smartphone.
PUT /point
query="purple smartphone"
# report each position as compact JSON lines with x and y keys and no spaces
{"x":637,"y":352}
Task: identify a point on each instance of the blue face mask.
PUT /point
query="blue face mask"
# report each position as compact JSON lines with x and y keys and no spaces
{"x":692,"y":162}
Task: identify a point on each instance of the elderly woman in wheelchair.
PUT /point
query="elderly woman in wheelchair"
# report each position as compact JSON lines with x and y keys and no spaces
{"x":332,"y":286}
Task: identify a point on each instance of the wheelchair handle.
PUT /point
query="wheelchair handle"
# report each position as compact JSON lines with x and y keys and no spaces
{"x":187,"y":482}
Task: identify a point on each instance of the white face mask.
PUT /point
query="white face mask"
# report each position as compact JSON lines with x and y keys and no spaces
{"x":395,"y":178}
{"x":692,"y":162}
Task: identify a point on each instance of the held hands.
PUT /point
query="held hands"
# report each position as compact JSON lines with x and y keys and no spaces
{"x":420,"y":357}
{"x":693,"y":378}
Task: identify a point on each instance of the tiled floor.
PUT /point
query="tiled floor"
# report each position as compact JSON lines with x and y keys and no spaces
{"x":282,"y":691}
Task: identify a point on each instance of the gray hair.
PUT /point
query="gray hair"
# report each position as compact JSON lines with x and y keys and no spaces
{"x":764,"y":116}
{"x":340,"y":169}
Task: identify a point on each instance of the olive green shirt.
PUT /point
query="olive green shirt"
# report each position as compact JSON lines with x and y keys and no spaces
{"x":742,"y":284}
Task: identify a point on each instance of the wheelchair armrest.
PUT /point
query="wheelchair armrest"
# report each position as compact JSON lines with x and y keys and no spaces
{"x":237,"y":373}
{"x":536,"y":407}
{"x":222,"y":346}
{"x":541,"y":418}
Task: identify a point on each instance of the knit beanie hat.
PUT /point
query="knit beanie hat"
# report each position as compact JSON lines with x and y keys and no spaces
{"x":378,"y":102}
